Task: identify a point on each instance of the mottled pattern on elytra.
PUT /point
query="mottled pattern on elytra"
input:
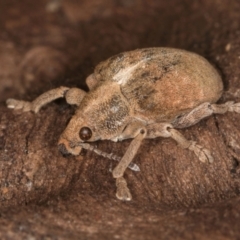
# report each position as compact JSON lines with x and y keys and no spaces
{"x":161,"y":83}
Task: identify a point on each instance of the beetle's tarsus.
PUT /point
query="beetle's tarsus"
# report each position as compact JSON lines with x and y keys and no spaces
{"x":203,"y":154}
{"x":18,"y":104}
{"x":235,"y":107}
{"x":123,"y":192}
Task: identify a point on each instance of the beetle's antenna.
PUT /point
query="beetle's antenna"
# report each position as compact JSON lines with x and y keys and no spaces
{"x":110,"y":156}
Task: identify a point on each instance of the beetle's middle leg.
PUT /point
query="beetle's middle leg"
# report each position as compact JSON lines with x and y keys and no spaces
{"x":167,"y":130}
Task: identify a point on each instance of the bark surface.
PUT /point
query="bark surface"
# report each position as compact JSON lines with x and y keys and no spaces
{"x":47,"y":44}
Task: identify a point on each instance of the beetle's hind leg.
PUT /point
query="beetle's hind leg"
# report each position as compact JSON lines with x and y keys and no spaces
{"x":204,"y":110}
{"x":72,"y":95}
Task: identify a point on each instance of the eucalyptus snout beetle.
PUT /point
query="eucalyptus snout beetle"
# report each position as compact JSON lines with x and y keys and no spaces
{"x":146,"y":93}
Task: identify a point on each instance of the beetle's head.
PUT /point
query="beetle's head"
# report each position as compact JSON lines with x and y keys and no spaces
{"x":94,"y":121}
{"x":76,"y":133}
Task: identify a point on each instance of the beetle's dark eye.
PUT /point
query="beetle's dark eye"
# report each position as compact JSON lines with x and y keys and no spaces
{"x":85,"y":133}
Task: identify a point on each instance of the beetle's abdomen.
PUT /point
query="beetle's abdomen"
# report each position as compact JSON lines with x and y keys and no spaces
{"x":161,"y":83}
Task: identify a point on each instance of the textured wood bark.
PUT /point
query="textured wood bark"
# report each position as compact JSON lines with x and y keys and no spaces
{"x":43,"y":194}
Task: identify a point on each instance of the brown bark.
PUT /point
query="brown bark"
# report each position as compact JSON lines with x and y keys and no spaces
{"x":46,"y":196}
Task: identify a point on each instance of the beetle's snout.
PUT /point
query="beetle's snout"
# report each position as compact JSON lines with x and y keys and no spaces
{"x":63,"y":150}
{"x":66,"y":148}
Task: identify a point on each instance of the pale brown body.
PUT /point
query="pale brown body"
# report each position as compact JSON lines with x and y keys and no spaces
{"x":145,"y":93}
{"x":163,"y":83}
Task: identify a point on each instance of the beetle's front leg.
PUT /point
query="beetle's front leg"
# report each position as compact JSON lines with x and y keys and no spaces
{"x":123,"y":192}
{"x":72,"y":95}
{"x":167,"y":130}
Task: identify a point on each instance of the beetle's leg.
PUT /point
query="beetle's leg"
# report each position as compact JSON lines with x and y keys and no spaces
{"x":167,"y":130}
{"x":204,"y":110}
{"x":202,"y":153}
{"x":72,"y":95}
{"x":129,"y":154}
{"x":123,"y":192}
{"x":91,"y":81}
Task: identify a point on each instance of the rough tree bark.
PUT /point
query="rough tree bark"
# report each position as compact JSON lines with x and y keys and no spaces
{"x":46,"y":196}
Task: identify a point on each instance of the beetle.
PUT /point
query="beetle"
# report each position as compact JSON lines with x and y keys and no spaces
{"x":145,"y":93}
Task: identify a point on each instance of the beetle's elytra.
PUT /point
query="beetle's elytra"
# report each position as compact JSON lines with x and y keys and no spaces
{"x":146,"y":93}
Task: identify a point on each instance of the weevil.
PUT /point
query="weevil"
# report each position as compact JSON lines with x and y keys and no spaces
{"x":145,"y":93}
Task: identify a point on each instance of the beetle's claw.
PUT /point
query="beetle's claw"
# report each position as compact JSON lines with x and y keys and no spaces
{"x":124,"y":194}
